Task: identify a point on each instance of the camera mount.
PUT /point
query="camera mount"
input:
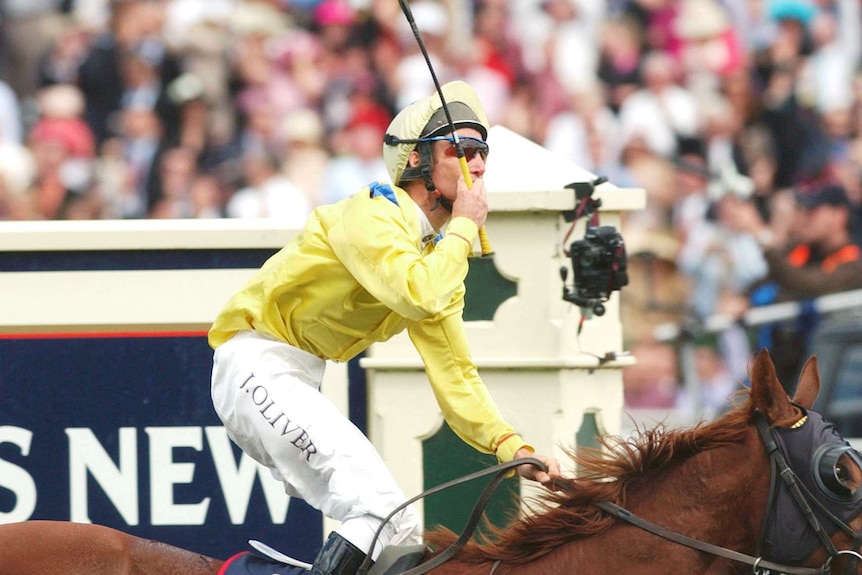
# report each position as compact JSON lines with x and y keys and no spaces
{"x":598,"y":261}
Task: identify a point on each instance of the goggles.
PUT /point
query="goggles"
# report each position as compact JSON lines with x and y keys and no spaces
{"x":836,"y":471}
{"x":470,"y":145}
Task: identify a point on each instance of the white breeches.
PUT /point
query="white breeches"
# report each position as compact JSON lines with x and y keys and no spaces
{"x":267,"y":395}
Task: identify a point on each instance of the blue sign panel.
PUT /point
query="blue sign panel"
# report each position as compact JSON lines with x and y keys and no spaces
{"x":119,"y":430}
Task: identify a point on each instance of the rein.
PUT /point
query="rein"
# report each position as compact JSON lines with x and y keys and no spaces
{"x":501,"y":470}
{"x":757,"y":563}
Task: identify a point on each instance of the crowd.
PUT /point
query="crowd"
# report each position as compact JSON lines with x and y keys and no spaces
{"x":267,"y":108}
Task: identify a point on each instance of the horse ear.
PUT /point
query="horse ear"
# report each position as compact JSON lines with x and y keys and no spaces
{"x":809,"y":384}
{"x":767,"y":393}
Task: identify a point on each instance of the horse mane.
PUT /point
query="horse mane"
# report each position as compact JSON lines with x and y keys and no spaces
{"x":557,"y":517}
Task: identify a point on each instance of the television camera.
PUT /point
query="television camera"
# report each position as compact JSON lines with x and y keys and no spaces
{"x":598,"y":260}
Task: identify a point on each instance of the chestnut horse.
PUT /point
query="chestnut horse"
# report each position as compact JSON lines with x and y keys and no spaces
{"x":768,"y":485}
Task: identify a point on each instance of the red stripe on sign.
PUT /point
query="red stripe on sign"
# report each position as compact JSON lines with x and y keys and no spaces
{"x":102,"y":335}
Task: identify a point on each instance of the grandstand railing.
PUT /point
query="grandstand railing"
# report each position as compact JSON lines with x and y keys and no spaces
{"x":838,"y":347}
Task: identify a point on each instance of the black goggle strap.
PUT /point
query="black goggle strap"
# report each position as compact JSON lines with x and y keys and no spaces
{"x":473,"y":143}
{"x":797,"y":490}
{"x":426,"y":160}
{"x":771,"y":446}
{"x":426,"y":163}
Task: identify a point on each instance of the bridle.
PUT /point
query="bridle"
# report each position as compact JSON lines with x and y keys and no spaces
{"x":801,"y":495}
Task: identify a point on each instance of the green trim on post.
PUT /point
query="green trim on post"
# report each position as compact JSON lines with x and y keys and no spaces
{"x":591,"y":430}
{"x":486,"y":290}
{"x":446,"y":457}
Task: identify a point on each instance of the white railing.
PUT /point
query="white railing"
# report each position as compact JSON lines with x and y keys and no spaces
{"x":682,"y":336}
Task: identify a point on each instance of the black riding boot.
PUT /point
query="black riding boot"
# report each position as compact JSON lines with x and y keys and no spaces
{"x":337,"y":557}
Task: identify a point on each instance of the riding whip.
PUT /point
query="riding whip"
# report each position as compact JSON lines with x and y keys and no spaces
{"x":484,"y":242}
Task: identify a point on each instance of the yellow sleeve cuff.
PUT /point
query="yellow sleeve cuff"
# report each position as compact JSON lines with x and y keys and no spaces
{"x":464,"y":228}
{"x":510,"y":445}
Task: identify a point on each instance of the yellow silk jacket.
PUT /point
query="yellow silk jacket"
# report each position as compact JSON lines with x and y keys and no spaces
{"x":362,"y":271}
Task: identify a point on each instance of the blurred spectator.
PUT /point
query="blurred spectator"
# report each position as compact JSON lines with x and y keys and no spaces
{"x":274,"y":71}
{"x":99,"y":79}
{"x":655,"y":223}
{"x":754,"y":152}
{"x":202,"y":198}
{"x":495,"y":45}
{"x":142,"y":85}
{"x":63,"y":147}
{"x":206,"y":197}
{"x":334,"y":20}
{"x":620,"y":55}
{"x":719,"y":260}
{"x":188,"y":122}
{"x":141,"y":135}
{"x":306,"y":156}
{"x":413,"y":81}
{"x":560,"y":40}
{"x":588,"y":135}
{"x":17,"y":172}
{"x":655,"y":385}
{"x":351,"y":78}
{"x":705,"y":44}
{"x":826,"y":75}
{"x":176,"y":170}
{"x":808,"y":246}
{"x":27,"y":29}
{"x":268,"y":193}
{"x":661,"y":111}
{"x":199,"y":33}
{"x":127,"y":65}
{"x":113,"y":181}
{"x":491,"y":62}
{"x":82,"y":207}
{"x":359,"y":161}
{"x":10,"y":115}
{"x":801,"y":147}
{"x":60,"y":62}
{"x":652,"y":383}
{"x":720,"y":133}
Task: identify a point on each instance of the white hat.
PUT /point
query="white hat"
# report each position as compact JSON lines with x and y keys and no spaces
{"x":701,"y":19}
{"x":425,"y":117}
{"x":431,"y":19}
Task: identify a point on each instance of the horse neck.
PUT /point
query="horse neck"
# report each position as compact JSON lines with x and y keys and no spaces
{"x":717,"y":496}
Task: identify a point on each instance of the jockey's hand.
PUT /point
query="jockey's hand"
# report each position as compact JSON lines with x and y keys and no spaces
{"x":530,"y":471}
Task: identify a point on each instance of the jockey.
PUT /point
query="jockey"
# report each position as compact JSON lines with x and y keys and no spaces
{"x":362,"y":270}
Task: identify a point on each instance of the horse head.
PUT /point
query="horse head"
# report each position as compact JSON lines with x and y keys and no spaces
{"x":815,"y":514}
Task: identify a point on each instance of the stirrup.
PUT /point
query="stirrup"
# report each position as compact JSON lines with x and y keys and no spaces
{"x":396,"y":559}
{"x":338,"y":556}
